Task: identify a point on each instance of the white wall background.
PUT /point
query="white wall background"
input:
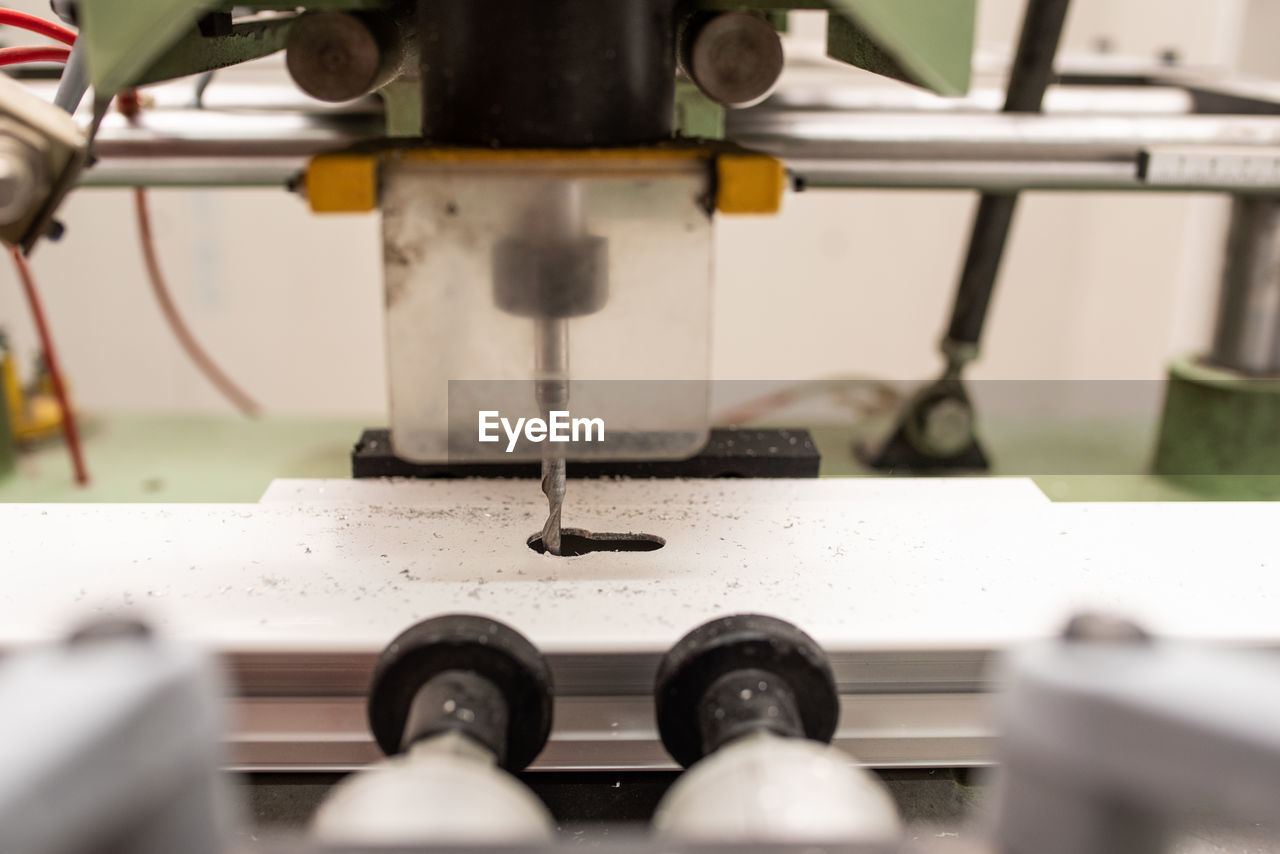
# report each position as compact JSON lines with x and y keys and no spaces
{"x":1103,"y":286}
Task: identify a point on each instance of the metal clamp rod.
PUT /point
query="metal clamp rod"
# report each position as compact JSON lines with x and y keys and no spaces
{"x":990,"y":176}
{"x":259,"y":147}
{"x":1008,"y":153}
{"x":991,"y":136}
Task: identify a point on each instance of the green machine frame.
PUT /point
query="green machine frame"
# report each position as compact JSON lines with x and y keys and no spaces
{"x":133,"y":42}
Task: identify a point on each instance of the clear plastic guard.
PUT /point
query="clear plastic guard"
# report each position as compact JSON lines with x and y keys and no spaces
{"x":571,"y":292}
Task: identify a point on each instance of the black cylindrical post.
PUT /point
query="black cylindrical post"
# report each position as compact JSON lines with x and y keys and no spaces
{"x":747,"y":701}
{"x":1029,"y":77}
{"x":556,"y":74}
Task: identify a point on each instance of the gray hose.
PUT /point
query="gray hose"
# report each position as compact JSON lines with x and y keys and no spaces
{"x":74,"y":82}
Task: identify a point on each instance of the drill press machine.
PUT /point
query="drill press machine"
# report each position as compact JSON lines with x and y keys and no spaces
{"x":551,"y":243}
{"x":548,"y":172}
{"x":548,"y":177}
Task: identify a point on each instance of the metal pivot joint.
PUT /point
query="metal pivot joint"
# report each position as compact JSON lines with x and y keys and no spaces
{"x":936,"y":429}
{"x":468,"y":674}
{"x":739,"y":675}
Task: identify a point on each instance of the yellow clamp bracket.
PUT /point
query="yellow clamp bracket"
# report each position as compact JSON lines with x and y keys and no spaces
{"x":746,"y":182}
{"x":749,"y":183}
{"x":343,"y":183}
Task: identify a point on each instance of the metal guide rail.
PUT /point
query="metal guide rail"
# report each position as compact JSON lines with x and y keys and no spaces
{"x":1161,"y":133}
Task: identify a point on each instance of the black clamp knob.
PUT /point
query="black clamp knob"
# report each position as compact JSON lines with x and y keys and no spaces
{"x":463,"y":673}
{"x":743,"y":674}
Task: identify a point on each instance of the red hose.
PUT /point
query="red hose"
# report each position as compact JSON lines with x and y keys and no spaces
{"x":14,"y":56}
{"x":17,"y":55}
{"x":232,"y":392}
{"x":70,"y":426}
{"x":34,"y":24}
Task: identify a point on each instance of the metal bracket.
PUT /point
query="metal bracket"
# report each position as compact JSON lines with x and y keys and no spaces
{"x":934,"y":433}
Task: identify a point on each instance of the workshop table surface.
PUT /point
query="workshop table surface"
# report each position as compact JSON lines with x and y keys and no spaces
{"x":210,"y":458}
{"x":183,"y":458}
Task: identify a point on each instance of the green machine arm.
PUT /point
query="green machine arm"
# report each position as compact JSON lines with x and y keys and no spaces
{"x":122,"y":39}
{"x":926,"y":42}
{"x":131,"y":42}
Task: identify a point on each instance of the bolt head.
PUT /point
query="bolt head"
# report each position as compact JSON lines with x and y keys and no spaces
{"x":736,"y":58}
{"x":333,"y":56}
{"x":19,"y":183}
{"x":947,"y":427}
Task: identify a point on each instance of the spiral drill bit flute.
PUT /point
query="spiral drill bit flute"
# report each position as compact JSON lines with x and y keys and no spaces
{"x":552,"y":270}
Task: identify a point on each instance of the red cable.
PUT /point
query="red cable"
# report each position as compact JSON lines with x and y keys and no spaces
{"x":34,"y":24}
{"x":16,"y":55}
{"x":70,"y":427}
{"x":243,"y":402}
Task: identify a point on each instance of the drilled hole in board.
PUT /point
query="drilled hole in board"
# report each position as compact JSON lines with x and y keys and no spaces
{"x":575,"y":542}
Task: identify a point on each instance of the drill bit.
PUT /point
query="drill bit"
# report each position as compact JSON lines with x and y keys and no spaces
{"x":553,"y":484}
{"x":551,"y":388}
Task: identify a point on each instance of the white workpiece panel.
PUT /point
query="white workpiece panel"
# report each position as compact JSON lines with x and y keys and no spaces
{"x":946,"y":568}
{"x":402,"y":491}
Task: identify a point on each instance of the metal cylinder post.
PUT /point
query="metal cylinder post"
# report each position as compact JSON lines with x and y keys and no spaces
{"x":1222,"y":410}
{"x":459,"y":701}
{"x":746,"y":701}
{"x":735,"y":58}
{"x":340,"y":56}
{"x":1246,"y":338}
